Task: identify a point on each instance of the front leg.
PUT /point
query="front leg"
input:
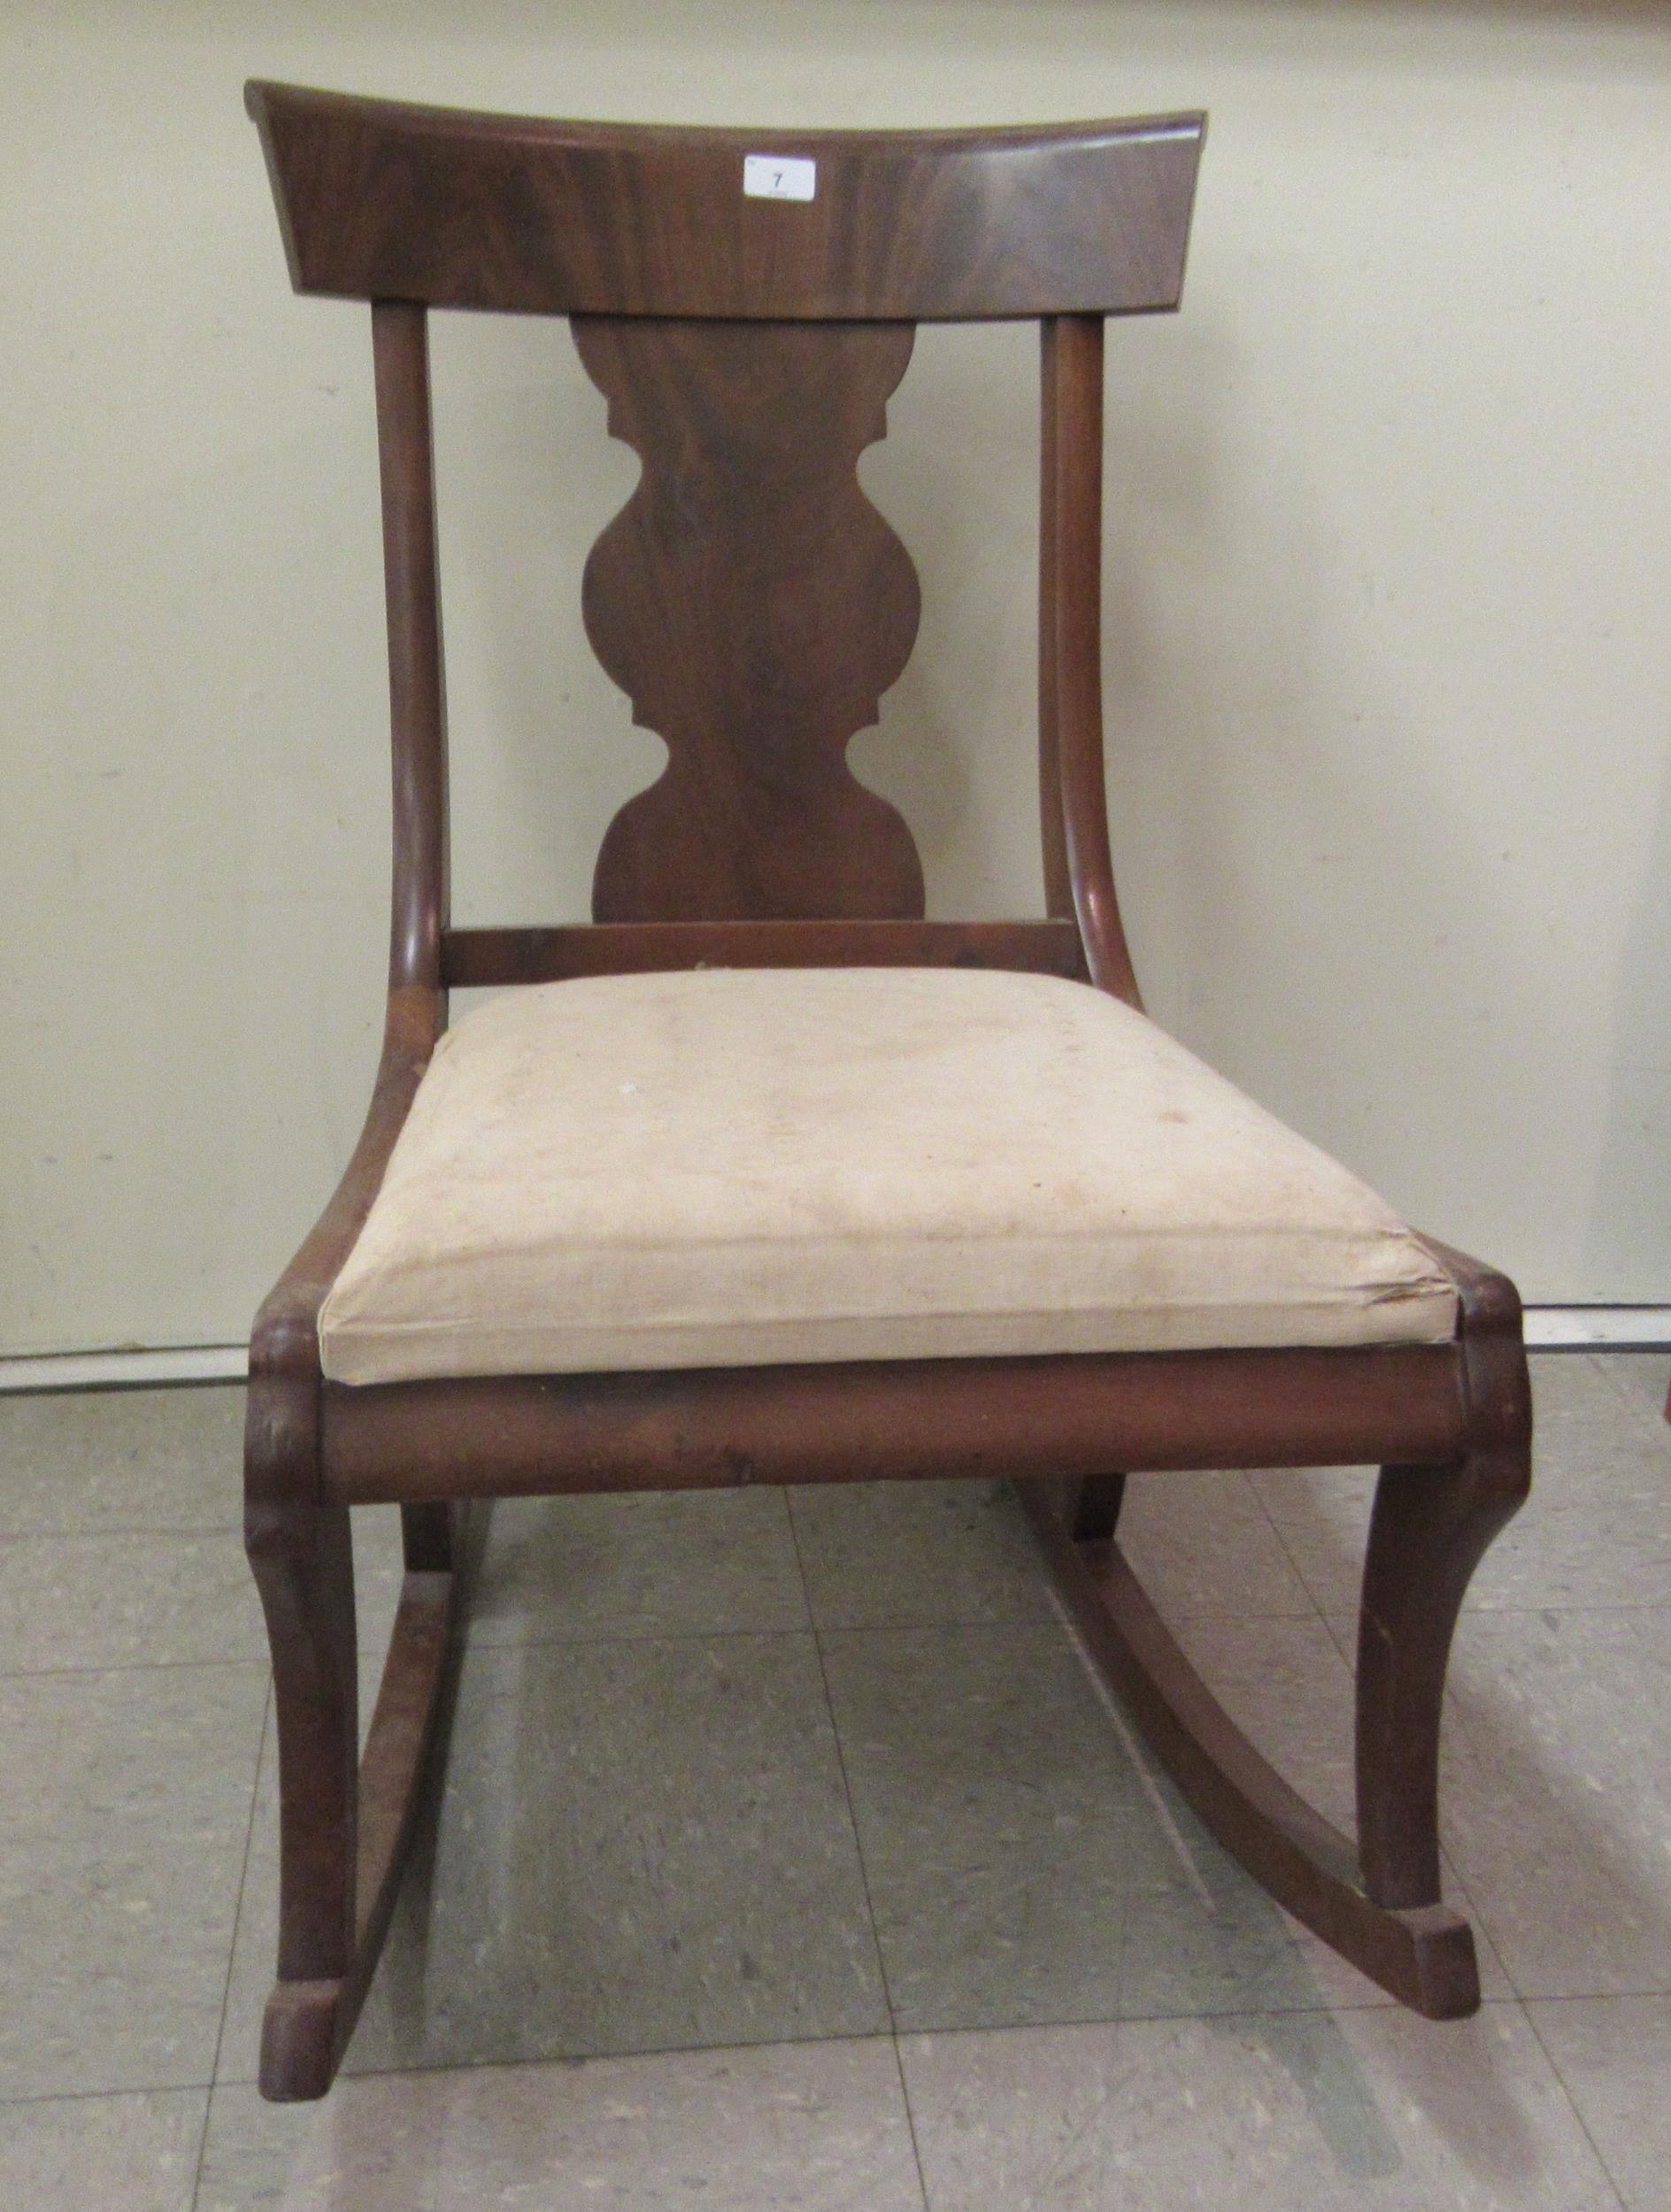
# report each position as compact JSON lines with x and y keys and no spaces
{"x":302,"y":1557}
{"x":1430,"y":1529}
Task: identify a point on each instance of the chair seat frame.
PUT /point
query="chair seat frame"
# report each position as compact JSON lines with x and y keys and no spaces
{"x":1449,"y":1425}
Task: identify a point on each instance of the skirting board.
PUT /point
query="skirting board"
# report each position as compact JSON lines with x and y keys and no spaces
{"x":1548,"y":1329}
{"x":1598,"y":1328}
{"x":125,"y":1370}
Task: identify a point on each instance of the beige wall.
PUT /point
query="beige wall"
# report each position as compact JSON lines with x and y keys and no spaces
{"x":1389,"y":626}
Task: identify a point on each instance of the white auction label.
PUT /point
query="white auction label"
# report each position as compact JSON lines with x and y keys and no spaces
{"x":778,"y":177}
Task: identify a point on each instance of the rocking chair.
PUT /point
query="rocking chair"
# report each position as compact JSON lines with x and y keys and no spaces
{"x":760,"y":1176}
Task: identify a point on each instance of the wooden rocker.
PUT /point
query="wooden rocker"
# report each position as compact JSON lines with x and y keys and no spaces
{"x":762,"y":1177}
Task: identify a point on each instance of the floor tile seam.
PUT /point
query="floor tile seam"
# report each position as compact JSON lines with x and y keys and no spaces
{"x":123,"y":1533}
{"x":566,"y":2061}
{"x":1045,"y":1625}
{"x":1033,"y":1618}
{"x":910,"y":2122}
{"x":1484,"y":1914}
{"x":1286,"y":1548}
{"x":1179,"y":1618}
{"x":202,"y":2152}
{"x":1618,"y":1605}
{"x":841,"y":1763}
{"x":1573,"y":2106}
{"x":730,"y":1635}
{"x":1145,"y":1762}
{"x":1513,"y":1612}
{"x":786,"y":1501}
{"x":1601,"y":1996}
{"x":1493,"y":2001}
{"x":129,"y":1666}
{"x":1656,"y":1990}
{"x":237,"y":1910}
{"x":8,"y":2104}
{"x":1371,"y":2001}
{"x":1328,"y":2011}
{"x":475,"y":1643}
{"x":1324,"y":2008}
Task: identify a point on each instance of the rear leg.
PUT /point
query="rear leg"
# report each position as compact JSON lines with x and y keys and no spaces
{"x":1093,"y":1512}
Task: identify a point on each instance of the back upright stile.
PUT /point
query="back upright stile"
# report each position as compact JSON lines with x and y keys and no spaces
{"x":1079,"y":875}
{"x":417,"y":679}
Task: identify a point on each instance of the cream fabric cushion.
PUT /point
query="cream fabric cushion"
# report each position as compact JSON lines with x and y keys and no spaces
{"x":738,"y":1166}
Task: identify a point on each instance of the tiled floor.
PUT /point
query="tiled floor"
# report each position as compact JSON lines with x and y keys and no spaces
{"x":790,"y":1861}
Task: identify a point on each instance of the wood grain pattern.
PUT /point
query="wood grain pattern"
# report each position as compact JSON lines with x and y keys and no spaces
{"x":379,"y":199}
{"x":547,"y":954}
{"x":754,"y":606}
{"x":857,"y":1421}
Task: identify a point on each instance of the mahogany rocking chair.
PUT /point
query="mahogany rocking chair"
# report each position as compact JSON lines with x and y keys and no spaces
{"x":761,"y":1177}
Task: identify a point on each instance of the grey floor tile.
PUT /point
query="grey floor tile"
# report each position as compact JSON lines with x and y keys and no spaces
{"x":804,"y":2127}
{"x":650,"y":1563}
{"x":1558,"y":1795}
{"x":1215,"y":1944}
{"x":371,"y":2146}
{"x":809,"y":2127}
{"x":1372,"y":2109}
{"x":87,"y":1462}
{"x":1321,"y":1514}
{"x":1644,"y":1378}
{"x":119,"y":1864}
{"x":998,"y":1818}
{"x":1565,"y":1385}
{"x":1614,"y":2053}
{"x":133,"y":1581}
{"x":1024,"y":1864}
{"x":131,"y":2154}
{"x":910,"y":1555}
{"x":1204,"y":1544}
{"x":133,"y":1601}
{"x":639,"y":1846}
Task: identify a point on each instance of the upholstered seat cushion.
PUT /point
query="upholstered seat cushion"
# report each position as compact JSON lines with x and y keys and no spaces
{"x":733,"y":1167}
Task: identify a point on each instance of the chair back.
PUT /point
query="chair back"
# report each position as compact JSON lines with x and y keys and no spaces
{"x":746,"y":301}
